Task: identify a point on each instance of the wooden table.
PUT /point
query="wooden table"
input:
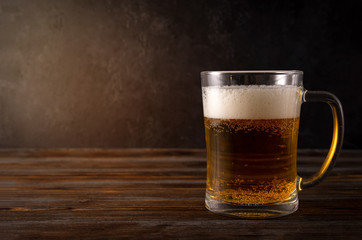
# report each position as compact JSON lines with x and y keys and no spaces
{"x":158,"y":194}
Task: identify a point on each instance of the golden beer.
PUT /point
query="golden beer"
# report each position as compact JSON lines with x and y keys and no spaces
{"x":251,"y":129}
{"x":251,"y":137}
{"x":251,"y":161}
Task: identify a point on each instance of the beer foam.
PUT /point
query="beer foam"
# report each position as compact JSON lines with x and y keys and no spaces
{"x":251,"y":102}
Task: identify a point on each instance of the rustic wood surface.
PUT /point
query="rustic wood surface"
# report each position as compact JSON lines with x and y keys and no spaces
{"x":158,"y":194}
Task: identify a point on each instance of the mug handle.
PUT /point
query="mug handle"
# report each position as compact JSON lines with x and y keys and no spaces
{"x":337,"y":140}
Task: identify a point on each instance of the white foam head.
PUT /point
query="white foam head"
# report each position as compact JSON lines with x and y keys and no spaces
{"x":251,"y":102}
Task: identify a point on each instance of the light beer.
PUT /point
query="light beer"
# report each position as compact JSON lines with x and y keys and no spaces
{"x":251,"y":140}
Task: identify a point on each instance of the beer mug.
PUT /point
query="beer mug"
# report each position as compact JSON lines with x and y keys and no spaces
{"x":251,"y":130}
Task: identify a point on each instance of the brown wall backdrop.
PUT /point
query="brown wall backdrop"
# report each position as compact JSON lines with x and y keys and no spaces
{"x":115,"y":74}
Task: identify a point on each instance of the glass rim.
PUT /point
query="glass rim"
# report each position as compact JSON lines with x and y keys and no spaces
{"x":241,"y":72}
{"x":252,"y":77}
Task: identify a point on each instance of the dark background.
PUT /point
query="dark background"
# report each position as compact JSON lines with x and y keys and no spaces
{"x":120,"y":74}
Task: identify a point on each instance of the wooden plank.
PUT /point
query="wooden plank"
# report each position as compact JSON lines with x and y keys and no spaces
{"x":157,"y":194}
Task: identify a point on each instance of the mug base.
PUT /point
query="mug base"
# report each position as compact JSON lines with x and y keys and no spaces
{"x":262,"y":211}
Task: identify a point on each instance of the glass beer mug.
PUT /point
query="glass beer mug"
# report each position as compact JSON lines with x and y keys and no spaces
{"x":251,"y":129}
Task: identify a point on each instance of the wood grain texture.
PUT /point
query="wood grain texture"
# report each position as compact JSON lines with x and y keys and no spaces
{"x":158,"y":194}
